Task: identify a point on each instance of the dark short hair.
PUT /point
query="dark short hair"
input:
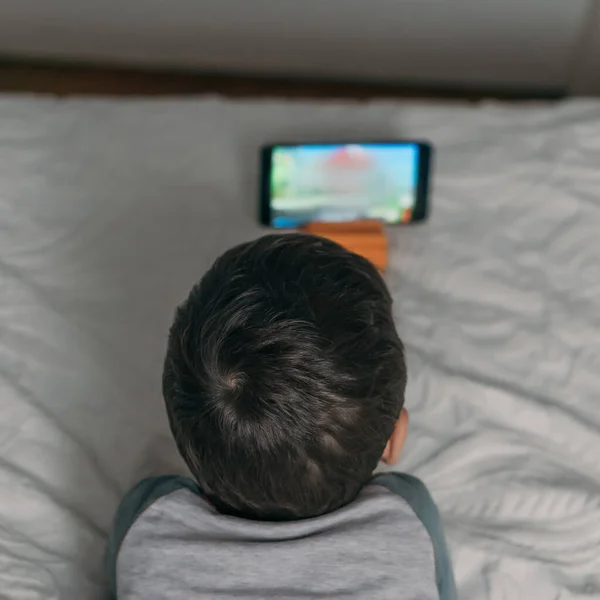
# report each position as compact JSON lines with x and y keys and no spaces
{"x":284,"y":377}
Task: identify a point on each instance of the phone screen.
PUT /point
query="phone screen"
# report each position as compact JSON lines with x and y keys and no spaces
{"x":345,"y":182}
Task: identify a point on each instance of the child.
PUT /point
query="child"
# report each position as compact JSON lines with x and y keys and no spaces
{"x":284,"y":385}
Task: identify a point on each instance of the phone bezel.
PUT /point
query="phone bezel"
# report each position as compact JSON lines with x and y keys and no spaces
{"x":423,"y":188}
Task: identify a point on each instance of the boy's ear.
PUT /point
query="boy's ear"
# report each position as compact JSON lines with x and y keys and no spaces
{"x":393,"y":448}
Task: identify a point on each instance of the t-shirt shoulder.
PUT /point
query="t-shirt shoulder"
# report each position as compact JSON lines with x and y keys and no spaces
{"x":135,"y":502}
{"x":417,"y":496}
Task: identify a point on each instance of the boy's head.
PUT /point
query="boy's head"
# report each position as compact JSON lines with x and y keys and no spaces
{"x":284,"y":378}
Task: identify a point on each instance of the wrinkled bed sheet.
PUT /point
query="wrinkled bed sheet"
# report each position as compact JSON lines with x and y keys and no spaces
{"x":109,"y":210}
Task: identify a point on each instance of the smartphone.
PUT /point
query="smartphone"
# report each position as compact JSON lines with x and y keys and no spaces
{"x":333,"y":182}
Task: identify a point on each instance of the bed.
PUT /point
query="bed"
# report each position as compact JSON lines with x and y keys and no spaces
{"x":109,"y":210}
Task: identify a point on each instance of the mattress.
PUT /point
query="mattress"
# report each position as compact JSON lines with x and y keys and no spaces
{"x":110,"y":210}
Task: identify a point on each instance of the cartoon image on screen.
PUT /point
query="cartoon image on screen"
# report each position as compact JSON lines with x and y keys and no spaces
{"x":343,"y":183}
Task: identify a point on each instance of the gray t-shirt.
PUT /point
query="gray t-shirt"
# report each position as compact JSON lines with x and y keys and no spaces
{"x":169,"y":542}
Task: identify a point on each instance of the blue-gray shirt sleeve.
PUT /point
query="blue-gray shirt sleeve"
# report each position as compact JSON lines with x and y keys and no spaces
{"x":413,"y":491}
{"x":145,"y":493}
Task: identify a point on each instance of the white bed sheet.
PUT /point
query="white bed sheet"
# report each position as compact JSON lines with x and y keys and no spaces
{"x":109,"y":210}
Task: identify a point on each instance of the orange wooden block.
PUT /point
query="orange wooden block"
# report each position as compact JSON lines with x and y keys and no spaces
{"x":366,"y":238}
{"x":365,"y":226}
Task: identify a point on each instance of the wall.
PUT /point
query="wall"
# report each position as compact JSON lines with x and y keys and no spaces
{"x":515,"y":43}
